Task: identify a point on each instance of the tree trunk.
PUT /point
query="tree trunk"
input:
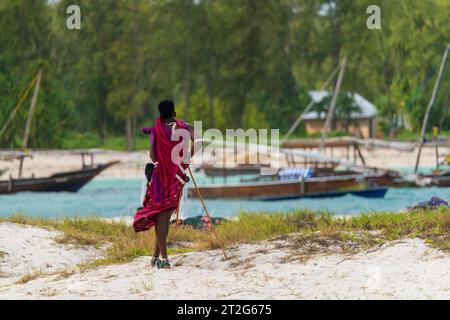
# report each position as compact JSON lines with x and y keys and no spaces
{"x":444,"y":112}
{"x":102,"y":116}
{"x":187,"y":71}
{"x":211,"y":95}
{"x":128,"y":133}
{"x":393,"y":131}
{"x":335,"y":51}
{"x":23,"y":32}
{"x":26,"y":134}
{"x":102,"y":95}
{"x":133,"y":132}
{"x":347,"y":124}
{"x":240,"y":111}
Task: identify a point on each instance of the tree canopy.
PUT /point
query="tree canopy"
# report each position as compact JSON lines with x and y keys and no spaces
{"x":229,"y":63}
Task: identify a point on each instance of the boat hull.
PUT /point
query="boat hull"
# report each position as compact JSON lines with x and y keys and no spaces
{"x":71,"y":181}
{"x":440,"y":178}
{"x":377,"y":192}
{"x":278,"y":190}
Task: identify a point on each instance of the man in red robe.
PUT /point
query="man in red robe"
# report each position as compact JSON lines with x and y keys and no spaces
{"x":169,"y":137}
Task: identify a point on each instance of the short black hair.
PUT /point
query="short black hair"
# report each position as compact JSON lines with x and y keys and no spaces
{"x":166,"y":109}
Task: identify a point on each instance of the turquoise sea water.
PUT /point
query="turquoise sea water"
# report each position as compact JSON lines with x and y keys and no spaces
{"x":110,"y":197}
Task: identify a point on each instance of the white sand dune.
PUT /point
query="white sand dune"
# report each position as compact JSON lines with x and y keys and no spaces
{"x":26,"y":250}
{"x":406,"y":269}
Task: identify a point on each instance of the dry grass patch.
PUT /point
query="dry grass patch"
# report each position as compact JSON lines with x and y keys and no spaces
{"x":316,"y":232}
{"x":30,"y":276}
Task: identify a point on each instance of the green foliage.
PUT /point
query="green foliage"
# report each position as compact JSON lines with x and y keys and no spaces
{"x":76,"y":140}
{"x":229,"y":63}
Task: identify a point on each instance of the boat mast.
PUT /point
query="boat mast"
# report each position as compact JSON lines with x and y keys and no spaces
{"x":26,"y":134}
{"x":19,"y":104}
{"x":310,"y":105}
{"x":430,"y":105}
{"x":333,"y":103}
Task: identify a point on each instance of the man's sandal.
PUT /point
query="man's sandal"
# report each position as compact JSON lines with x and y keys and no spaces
{"x":163,"y":264}
{"x":155,"y":262}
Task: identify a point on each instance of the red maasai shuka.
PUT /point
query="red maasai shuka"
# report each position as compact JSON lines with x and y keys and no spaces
{"x":163,"y":191}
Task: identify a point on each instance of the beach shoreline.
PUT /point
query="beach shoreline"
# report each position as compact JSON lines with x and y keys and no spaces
{"x":47,"y":162}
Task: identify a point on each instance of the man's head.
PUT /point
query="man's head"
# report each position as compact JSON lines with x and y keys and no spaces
{"x":166,"y":109}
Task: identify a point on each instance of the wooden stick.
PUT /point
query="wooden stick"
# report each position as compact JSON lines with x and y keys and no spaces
{"x":360,"y":155}
{"x":21,"y":100}
{"x":430,"y":105}
{"x":26,"y":134}
{"x":207,"y":213}
{"x":310,"y":105}
{"x":178,"y":207}
{"x":437,"y":157}
{"x":330,"y":113}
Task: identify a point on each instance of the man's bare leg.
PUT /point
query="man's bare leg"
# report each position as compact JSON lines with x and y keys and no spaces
{"x":169,"y":215}
{"x":157,"y":251}
{"x":161,"y":232}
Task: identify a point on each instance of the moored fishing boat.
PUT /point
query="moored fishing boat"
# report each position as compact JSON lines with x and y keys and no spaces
{"x":70,"y":181}
{"x":360,"y":185}
{"x":439,"y":178}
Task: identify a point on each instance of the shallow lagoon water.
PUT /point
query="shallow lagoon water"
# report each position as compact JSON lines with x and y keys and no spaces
{"x":111,"y":197}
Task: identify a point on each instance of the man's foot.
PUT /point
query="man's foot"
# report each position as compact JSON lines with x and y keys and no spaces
{"x":163,"y":264}
{"x":155,"y":261}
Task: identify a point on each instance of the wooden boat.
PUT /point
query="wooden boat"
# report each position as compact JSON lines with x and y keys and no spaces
{"x":241,"y":169}
{"x":394,"y":179}
{"x":439,"y":178}
{"x":388,"y":178}
{"x":391,"y":178}
{"x":372,"y":192}
{"x":317,"y":172}
{"x":361,"y":185}
{"x":70,"y":181}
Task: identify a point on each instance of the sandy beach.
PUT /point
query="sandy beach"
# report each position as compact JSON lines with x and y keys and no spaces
{"x":33,"y":265}
{"x":131,"y":164}
{"x":27,"y":250}
{"x":404,"y":269}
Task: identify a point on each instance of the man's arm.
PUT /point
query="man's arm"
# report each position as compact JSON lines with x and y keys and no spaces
{"x":152,"y":150}
{"x":152,"y":154}
{"x":196,"y":139}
